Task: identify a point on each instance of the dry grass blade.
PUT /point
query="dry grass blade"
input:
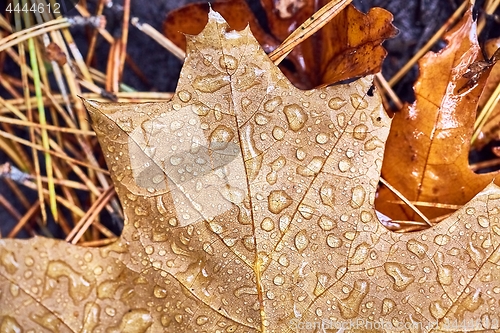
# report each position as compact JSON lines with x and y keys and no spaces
{"x":486,"y":164}
{"x":309,"y":27}
{"x":406,"y":201}
{"x":23,"y":220}
{"x":26,"y":123}
{"x":54,"y":153}
{"x":99,"y":242}
{"x":9,"y":150}
{"x":63,"y":136}
{"x":429,"y":204}
{"x":486,"y":113}
{"x":10,"y":209}
{"x":491,"y":7}
{"x":402,"y":227}
{"x":93,"y":38}
{"x":38,"y":30}
{"x":124,"y":38}
{"x":387,"y":89}
{"x":60,"y":127}
{"x":159,"y":38}
{"x":34,"y":59}
{"x":89,"y":217}
{"x":11,"y":172}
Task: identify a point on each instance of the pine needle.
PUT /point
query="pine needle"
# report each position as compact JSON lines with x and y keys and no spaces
{"x":406,"y":201}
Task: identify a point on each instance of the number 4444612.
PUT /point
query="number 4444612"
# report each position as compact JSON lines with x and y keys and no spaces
{"x":34,"y":8}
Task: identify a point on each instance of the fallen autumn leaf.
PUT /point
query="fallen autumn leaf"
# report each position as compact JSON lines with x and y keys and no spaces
{"x":279,"y":236}
{"x":427,"y":151}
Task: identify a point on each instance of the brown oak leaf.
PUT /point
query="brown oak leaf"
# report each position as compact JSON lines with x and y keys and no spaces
{"x":249,"y":208}
{"x":427,"y":152}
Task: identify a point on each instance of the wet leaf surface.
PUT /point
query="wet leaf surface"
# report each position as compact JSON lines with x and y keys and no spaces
{"x":347,"y":47}
{"x":426,"y":158}
{"x":249,"y":208}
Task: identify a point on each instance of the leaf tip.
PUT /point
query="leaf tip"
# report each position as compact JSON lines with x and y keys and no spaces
{"x":91,"y":105}
{"x":215,"y":16}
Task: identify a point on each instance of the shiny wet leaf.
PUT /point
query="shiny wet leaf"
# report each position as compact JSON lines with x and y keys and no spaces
{"x":427,"y":150}
{"x":249,"y":208}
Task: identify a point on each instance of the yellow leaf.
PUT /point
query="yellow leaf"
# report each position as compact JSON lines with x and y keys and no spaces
{"x":249,"y":208}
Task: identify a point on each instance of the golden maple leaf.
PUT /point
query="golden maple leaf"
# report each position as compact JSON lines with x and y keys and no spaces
{"x":249,"y":208}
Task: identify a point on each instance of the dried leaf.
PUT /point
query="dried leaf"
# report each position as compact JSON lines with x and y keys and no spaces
{"x":54,"y":53}
{"x":427,"y":150}
{"x":347,"y":47}
{"x":249,"y":208}
{"x":491,"y":129}
{"x":492,"y":49}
